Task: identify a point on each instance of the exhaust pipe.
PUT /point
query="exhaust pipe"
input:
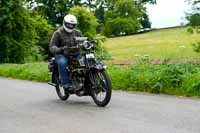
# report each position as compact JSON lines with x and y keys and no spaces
{"x":51,"y":84}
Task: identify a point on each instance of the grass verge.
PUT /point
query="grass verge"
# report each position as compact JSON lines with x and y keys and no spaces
{"x":174,"y":79}
{"x":29,"y":71}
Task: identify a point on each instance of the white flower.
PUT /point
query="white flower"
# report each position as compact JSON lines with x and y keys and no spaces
{"x":182,"y":46}
{"x":137,"y":55}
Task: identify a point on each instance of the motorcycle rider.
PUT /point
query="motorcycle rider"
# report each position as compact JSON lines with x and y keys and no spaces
{"x":64,"y":37}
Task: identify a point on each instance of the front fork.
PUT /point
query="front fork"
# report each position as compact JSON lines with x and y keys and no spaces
{"x":99,"y":66}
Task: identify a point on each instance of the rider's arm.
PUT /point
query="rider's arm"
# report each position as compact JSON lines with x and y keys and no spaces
{"x":78,"y":34}
{"x":54,"y":43}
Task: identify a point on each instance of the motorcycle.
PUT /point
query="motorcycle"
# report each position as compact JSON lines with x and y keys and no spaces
{"x":87,"y":76}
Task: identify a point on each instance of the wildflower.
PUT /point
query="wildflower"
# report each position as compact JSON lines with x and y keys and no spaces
{"x":137,"y":55}
{"x":182,"y":46}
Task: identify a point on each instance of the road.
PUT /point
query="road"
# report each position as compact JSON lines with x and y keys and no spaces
{"x":31,"y":107}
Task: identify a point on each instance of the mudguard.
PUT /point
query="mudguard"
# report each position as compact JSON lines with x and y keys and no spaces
{"x":99,"y":66}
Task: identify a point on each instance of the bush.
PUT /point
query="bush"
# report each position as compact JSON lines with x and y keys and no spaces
{"x":196,"y":46}
{"x":100,"y":50}
{"x":173,"y":79}
{"x":44,"y":32}
{"x":87,"y":22}
{"x":120,"y":26}
{"x":194,"y":19}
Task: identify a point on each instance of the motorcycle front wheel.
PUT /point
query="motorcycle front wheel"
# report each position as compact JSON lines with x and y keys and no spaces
{"x":101,"y":89}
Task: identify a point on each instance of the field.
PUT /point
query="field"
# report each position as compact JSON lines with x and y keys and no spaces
{"x":157,"y":44}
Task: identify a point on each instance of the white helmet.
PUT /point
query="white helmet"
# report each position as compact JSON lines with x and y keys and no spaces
{"x":69,"y":23}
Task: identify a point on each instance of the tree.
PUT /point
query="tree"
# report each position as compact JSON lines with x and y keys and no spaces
{"x":19,"y":32}
{"x":53,"y":10}
{"x":144,"y":21}
{"x":194,"y":16}
{"x":122,"y":18}
{"x":132,"y":10}
{"x":194,"y":21}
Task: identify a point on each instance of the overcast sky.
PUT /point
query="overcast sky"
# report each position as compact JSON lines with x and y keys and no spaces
{"x":167,"y":13}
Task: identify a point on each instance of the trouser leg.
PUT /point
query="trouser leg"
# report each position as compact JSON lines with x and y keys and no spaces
{"x":62,"y":63}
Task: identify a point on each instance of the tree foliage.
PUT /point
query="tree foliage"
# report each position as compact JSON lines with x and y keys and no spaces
{"x":55,"y":10}
{"x":19,"y":32}
{"x":120,"y":26}
{"x":122,"y":18}
{"x":87,"y":22}
{"x":194,"y":21}
{"x":194,"y":15}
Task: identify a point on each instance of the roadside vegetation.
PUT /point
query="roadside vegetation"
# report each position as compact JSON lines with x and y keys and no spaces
{"x":28,"y":71}
{"x":174,"y":79}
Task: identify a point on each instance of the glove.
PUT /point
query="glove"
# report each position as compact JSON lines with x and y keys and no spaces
{"x":59,"y":50}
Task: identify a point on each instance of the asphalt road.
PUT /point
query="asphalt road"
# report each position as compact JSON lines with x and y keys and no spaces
{"x":30,"y":107}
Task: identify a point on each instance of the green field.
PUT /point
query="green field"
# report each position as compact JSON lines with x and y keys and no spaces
{"x":157,"y":44}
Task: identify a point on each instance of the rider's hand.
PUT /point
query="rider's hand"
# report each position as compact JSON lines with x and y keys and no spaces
{"x":59,"y":50}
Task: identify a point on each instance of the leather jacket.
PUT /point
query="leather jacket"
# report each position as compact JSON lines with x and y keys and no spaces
{"x":61,"y":39}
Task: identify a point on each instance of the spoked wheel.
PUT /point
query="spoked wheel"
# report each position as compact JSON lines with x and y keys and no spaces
{"x":62,"y":94}
{"x":101,"y":88}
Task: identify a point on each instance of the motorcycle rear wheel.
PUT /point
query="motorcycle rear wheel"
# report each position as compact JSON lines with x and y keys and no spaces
{"x":62,"y":94}
{"x":102,"y":85}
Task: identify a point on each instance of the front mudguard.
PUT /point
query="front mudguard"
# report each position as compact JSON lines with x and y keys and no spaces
{"x":99,"y":66}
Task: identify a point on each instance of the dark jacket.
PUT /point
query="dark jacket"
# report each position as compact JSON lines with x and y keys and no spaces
{"x":62,"y":38}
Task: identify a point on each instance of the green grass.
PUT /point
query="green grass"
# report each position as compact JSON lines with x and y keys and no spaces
{"x":173,"y":79}
{"x":29,"y":71}
{"x":158,"y":44}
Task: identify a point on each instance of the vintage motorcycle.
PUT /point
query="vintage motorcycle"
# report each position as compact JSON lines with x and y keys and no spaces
{"x":87,"y":76}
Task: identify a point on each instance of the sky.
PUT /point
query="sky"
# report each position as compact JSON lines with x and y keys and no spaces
{"x":167,"y":13}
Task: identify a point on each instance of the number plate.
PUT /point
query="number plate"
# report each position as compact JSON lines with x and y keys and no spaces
{"x":89,"y":56}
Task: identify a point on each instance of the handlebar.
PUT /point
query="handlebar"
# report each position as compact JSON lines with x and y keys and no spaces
{"x":80,"y":39}
{"x":83,"y":42}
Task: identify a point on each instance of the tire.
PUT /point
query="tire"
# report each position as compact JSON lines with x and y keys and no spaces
{"x":101,"y":77}
{"x":62,"y":94}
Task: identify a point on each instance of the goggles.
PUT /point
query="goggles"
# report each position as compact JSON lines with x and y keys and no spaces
{"x":69,"y":26}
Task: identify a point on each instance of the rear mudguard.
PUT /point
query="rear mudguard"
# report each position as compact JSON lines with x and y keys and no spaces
{"x":53,"y":80}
